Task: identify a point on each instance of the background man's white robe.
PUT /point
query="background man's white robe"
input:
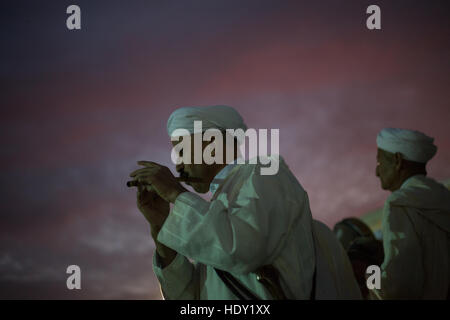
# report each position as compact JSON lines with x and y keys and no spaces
{"x":253,"y":220}
{"x":416,"y":238}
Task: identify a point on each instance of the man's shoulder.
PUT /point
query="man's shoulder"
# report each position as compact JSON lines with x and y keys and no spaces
{"x":258,"y":164}
{"x":422,"y":198}
{"x":419,"y":192}
{"x":257,"y":169}
{"x":252,"y":173}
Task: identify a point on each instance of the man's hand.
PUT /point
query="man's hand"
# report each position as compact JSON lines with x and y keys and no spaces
{"x":161,"y":179}
{"x":154,"y":208}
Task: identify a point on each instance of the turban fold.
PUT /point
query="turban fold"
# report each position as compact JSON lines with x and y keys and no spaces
{"x":413,"y":145}
{"x":212,"y":117}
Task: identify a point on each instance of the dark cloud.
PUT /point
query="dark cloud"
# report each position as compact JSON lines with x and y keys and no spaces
{"x":80,"y":108}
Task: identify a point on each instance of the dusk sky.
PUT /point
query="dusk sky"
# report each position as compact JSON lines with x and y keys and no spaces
{"x":80,"y":107}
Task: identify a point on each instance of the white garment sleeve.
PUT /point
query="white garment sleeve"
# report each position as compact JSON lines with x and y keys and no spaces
{"x":179,"y":280}
{"x":402,"y":269}
{"x":236,"y":236}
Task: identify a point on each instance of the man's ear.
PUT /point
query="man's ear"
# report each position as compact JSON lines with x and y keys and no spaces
{"x":398,"y":161}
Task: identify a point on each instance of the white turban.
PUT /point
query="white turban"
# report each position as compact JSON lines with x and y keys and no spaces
{"x":413,"y":145}
{"x":212,"y":117}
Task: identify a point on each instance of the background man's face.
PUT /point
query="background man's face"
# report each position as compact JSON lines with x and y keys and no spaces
{"x":385,"y":169}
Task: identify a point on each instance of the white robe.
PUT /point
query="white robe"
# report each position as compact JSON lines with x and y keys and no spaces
{"x":416,"y":239}
{"x":252,"y":220}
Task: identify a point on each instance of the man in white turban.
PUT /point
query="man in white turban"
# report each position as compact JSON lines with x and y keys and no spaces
{"x":416,"y":219}
{"x":256,"y":228}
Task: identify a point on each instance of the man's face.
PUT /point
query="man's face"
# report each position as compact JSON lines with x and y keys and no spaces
{"x":201,"y":171}
{"x":385,"y":169}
